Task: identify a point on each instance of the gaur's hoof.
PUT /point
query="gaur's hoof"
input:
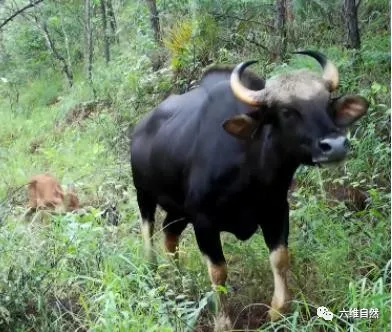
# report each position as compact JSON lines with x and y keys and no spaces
{"x":222,"y":323}
{"x":274,"y":315}
{"x":278,"y":308}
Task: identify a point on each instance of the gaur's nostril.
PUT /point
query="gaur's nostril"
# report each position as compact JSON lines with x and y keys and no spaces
{"x":325,"y":147}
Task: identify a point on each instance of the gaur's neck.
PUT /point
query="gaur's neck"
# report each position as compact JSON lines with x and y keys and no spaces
{"x":270,"y":164}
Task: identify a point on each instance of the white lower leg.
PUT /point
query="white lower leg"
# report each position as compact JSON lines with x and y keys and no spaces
{"x":218,"y":276}
{"x":279,"y":260}
{"x":147,"y":232}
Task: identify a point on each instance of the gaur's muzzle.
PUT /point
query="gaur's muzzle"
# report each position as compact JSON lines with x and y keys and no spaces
{"x":331,"y":149}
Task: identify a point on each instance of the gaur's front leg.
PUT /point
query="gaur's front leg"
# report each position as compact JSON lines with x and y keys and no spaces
{"x":275,"y":231}
{"x":208,"y":239}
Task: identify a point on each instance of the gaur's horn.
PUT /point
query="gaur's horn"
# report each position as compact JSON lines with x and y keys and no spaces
{"x":331,"y":73}
{"x":250,"y":97}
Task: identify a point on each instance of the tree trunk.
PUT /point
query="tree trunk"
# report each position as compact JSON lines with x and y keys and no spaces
{"x":53,"y":50}
{"x":350,"y":15}
{"x":289,"y":11}
{"x":88,"y":39}
{"x":105,"y":32}
{"x":113,"y":22}
{"x":283,"y":14}
{"x":66,"y":41}
{"x":154,"y":18}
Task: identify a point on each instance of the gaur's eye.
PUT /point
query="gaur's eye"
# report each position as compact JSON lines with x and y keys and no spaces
{"x":290,"y":113}
{"x":331,"y":105}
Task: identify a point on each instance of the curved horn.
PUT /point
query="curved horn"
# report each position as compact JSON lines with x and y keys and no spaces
{"x":250,"y":97}
{"x":331,"y":74}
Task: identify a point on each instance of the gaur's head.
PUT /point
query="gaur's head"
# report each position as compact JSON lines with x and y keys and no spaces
{"x":308,"y":121}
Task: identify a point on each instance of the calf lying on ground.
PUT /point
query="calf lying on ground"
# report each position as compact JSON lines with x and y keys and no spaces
{"x":45,"y":192}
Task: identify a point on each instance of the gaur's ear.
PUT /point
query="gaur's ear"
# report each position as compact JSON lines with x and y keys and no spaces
{"x":348,"y":109}
{"x":241,"y":126}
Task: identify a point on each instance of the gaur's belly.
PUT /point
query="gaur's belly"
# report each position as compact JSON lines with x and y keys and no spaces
{"x":242,"y":223}
{"x":239,"y":218}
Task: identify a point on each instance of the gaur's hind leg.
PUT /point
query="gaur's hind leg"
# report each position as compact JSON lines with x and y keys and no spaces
{"x":208,"y":239}
{"x":173,"y":225}
{"x":147,"y":206}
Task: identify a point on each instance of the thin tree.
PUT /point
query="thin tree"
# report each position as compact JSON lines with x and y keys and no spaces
{"x":154,"y":19}
{"x":88,"y":39}
{"x":56,"y":54}
{"x":350,"y":14}
{"x":66,"y":43}
{"x":42,"y":27}
{"x":283,"y":15}
{"x":105,"y":32}
{"x":112,"y":21}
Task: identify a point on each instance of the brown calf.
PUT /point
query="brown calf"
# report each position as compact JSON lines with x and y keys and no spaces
{"x":44,"y":191}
